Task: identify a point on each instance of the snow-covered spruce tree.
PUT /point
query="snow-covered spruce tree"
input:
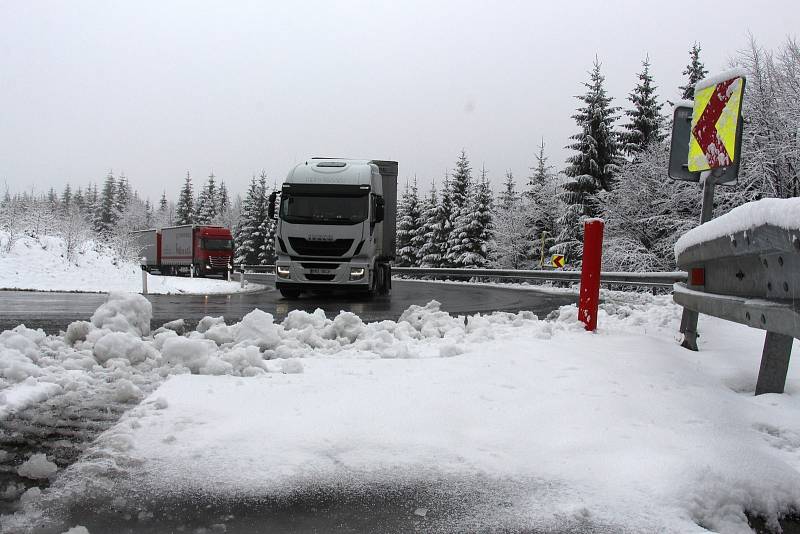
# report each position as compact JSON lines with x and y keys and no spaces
{"x":460,"y":190}
{"x":428,"y":210}
{"x":268,"y":227}
{"x":207,"y":203}
{"x":646,"y":213}
{"x":591,"y":169}
{"x":645,"y":124}
{"x":403,"y":233}
{"x":260,"y":219}
{"x":79,"y":200}
{"x":246,"y":252}
{"x":123,"y":195}
{"x":695,"y":71}
{"x":541,"y":208}
{"x":184,"y":209}
{"x":107,"y":214}
{"x":473,"y":225}
{"x":596,"y":143}
{"x":508,"y":196}
{"x":66,"y":199}
{"x":223,"y":201}
{"x":436,"y":228}
{"x":409,"y":221}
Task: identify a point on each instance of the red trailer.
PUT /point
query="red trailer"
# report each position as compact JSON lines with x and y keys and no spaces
{"x":187,"y":249}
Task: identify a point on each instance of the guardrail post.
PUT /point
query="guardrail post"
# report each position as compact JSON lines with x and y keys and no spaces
{"x":774,"y":363}
{"x":143,"y":263}
{"x":590,"y":272}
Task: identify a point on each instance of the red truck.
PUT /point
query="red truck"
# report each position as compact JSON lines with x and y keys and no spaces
{"x":199,"y":250}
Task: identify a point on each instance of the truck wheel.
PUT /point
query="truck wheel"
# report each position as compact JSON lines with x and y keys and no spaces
{"x":290,"y":294}
{"x":386,"y":280}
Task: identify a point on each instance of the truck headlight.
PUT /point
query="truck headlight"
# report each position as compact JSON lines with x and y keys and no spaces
{"x":357,"y":273}
{"x":282,"y":271}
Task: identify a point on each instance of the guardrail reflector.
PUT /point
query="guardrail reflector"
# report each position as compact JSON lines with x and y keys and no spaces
{"x":697,"y":277}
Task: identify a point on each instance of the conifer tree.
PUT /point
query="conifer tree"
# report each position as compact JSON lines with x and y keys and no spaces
{"x":646,"y":124}
{"x":269,"y":225}
{"x":207,"y":203}
{"x":460,"y":192}
{"x":509,"y":195}
{"x":596,"y":142}
{"x":246,"y":251}
{"x":184,"y":210}
{"x":436,"y":228}
{"x":66,"y":199}
{"x":695,"y":71}
{"x":592,"y":169}
{"x":223,"y":201}
{"x":122,"y":197}
{"x":260,"y":219}
{"x":409,"y":221}
{"x":107,"y":214}
{"x":474,"y":227}
{"x":79,"y":201}
{"x":541,"y":210}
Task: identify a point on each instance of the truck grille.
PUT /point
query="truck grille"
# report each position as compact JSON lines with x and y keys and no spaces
{"x":219,"y":261}
{"x":337,"y":247}
{"x":320,"y":277}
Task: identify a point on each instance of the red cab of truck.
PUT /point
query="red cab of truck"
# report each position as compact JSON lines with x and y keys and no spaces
{"x":213,"y":249}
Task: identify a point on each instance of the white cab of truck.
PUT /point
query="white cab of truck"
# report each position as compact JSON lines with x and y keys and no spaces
{"x":336,"y":226}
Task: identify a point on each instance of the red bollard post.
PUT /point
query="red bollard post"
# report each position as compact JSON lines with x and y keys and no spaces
{"x":590,"y":272}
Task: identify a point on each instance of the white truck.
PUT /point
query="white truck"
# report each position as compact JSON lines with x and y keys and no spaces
{"x":336,"y":226}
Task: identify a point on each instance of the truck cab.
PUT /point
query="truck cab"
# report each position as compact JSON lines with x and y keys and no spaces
{"x":336,"y":226}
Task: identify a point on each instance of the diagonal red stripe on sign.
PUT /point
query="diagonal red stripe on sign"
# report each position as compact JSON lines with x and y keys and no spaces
{"x":705,"y":131}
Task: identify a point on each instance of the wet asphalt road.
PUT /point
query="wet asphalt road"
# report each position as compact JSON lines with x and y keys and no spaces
{"x":54,"y":311}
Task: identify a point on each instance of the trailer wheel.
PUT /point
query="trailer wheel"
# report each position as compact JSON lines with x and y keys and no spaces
{"x":288,"y":293}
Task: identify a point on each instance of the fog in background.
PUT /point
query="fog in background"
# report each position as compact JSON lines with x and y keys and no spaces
{"x":154,"y":89}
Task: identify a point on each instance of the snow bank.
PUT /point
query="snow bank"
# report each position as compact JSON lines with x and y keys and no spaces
{"x":41,"y":264}
{"x":622,"y":427}
{"x":780,"y":212}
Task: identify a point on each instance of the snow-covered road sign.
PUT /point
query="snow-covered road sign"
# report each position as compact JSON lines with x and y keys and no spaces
{"x":715,"y":131}
{"x":557,"y":261}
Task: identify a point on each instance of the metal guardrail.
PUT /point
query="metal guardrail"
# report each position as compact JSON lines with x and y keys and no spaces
{"x":751,"y":277}
{"x":665,"y":279}
{"x":622,"y":278}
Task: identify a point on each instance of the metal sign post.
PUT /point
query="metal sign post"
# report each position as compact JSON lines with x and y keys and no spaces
{"x":689,"y":317}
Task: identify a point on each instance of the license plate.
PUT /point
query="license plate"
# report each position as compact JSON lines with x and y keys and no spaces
{"x":320,"y":271}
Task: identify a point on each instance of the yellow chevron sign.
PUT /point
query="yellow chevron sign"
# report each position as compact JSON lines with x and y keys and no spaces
{"x":715,"y":119}
{"x":557,"y":261}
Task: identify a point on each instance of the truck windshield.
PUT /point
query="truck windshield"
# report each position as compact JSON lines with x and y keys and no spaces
{"x":217,"y":244}
{"x":313,"y":209}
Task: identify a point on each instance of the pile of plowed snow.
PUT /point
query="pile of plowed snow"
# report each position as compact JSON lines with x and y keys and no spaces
{"x":42,"y":264}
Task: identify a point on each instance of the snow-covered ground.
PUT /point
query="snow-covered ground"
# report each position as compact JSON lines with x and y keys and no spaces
{"x":556,"y":429}
{"x":41,"y":264}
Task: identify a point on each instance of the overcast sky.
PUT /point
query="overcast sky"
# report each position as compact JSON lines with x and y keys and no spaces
{"x":158,"y":88}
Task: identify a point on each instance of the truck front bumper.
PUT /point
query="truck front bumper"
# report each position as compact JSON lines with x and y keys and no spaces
{"x":298,"y":274}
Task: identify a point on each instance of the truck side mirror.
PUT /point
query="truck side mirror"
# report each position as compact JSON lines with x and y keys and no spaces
{"x":271,"y":207}
{"x":380,"y":206}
